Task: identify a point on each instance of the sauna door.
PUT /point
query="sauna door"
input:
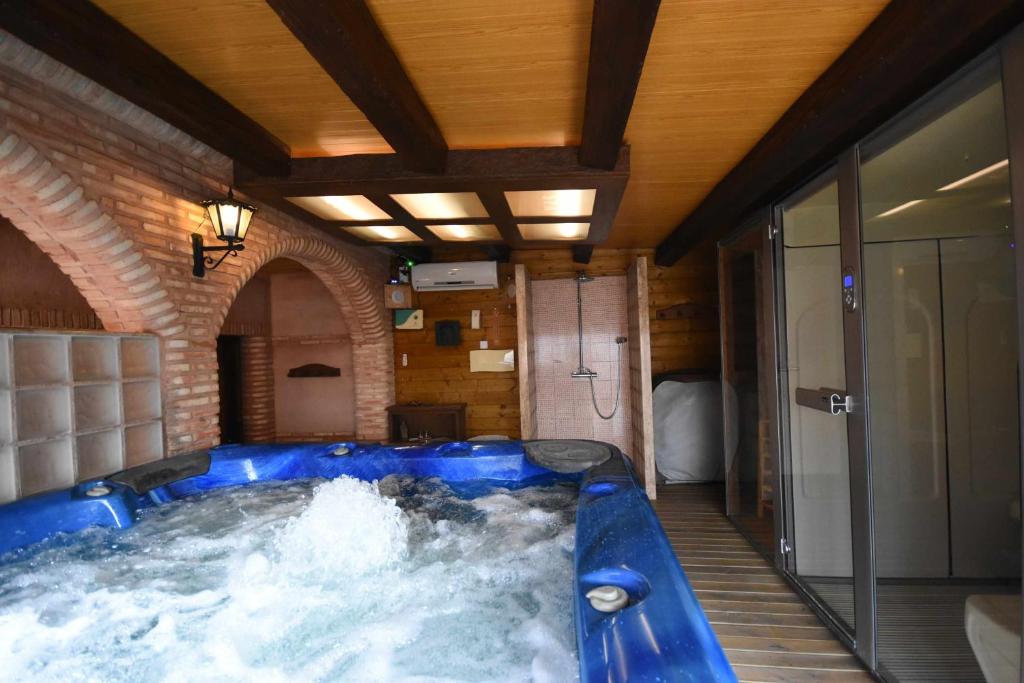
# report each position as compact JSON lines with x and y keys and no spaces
{"x":821,"y":388}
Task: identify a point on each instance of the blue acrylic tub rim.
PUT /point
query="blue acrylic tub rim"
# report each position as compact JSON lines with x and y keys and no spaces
{"x":661,"y":635}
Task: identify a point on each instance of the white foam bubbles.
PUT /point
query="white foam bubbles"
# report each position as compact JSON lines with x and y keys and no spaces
{"x":349,"y":529}
{"x":308,"y":581}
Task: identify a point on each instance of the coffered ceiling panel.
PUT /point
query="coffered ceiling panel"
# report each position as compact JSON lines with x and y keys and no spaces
{"x":718,"y":74}
{"x":495,"y":73}
{"x":499,"y":74}
{"x":242,"y":51}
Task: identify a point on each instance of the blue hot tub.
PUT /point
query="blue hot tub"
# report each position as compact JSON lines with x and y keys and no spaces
{"x":660,"y":635}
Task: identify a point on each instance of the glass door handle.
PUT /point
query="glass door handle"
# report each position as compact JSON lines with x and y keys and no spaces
{"x":833,"y":401}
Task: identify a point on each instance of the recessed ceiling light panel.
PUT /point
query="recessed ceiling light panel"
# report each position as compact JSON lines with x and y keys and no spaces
{"x":554,"y":231}
{"x":551,"y":202}
{"x":465,"y":233}
{"x":352,"y":207}
{"x":442,"y":205}
{"x":382,"y":233}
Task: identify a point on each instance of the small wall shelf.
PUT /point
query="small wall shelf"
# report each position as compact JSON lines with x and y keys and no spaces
{"x":440,"y":421}
{"x":75,"y":407}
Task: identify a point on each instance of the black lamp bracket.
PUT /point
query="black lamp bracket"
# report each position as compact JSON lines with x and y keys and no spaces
{"x":201,"y":262}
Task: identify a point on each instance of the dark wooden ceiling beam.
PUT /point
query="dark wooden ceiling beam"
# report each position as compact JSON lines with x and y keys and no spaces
{"x":606,"y":207}
{"x":488,"y":173}
{"x":411,"y":251}
{"x":582,"y":253}
{"x":497,"y":206}
{"x":344,"y":38}
{"x":402,"y":216}
{"x":907,"y":50}
{"x":619,"y":35}
{"x":80,"y":35}
{"x":522,"y":168}
{"x":498,"y":252}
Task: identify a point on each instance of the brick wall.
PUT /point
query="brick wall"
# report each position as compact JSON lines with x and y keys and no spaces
{"x":110,"y":194}
{"x":258,"y":390}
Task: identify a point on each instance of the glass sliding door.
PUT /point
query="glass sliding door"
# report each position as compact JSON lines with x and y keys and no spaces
{"x":939,"y":303}
{"x":748,"y":382}
{"x":819,"y":538}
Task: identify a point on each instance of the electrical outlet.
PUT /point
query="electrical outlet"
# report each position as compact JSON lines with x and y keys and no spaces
{"x":483,"y":344}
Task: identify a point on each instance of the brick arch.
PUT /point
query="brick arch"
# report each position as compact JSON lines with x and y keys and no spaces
{"x":362,"y":308}
{"x":87,"y":244}
{"x":346,"y":282}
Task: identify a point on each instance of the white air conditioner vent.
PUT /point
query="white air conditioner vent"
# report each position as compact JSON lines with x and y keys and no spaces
{"x":433,"y":277}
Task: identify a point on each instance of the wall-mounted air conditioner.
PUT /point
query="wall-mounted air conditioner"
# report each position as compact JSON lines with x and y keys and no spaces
{"x":433,"y":277}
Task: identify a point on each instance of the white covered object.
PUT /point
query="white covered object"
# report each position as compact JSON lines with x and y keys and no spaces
{"x":992,"y":623}
{"x":688,"y":431}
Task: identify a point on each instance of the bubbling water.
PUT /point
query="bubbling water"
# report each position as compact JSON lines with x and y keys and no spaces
{"x":306,"y":581}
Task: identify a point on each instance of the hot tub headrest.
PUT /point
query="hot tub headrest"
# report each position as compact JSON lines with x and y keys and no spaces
{"x":145,"y":478}
{"x":567,"y":455}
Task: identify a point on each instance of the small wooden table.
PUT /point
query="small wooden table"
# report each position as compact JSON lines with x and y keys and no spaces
{"x":427,"y":421}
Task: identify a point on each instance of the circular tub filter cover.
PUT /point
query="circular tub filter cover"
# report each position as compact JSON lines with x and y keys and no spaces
{"x":567,"y":456}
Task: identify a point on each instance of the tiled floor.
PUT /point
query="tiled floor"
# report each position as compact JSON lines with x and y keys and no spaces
{"x":768,"y":634}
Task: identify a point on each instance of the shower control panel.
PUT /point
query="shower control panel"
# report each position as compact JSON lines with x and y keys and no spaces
{"x":849,"y":290}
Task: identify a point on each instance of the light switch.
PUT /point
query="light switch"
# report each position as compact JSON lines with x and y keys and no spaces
{"x":475,"y":320}
{"x":405,"y":360}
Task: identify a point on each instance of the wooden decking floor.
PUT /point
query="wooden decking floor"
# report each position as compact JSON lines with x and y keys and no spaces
{"x":767,"y":632}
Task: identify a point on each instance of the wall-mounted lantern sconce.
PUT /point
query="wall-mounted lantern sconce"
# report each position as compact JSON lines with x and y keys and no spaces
{"x":230,"y":219}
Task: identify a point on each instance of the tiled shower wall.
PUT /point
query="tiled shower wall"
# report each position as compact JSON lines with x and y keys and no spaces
{"x":564,"y":407}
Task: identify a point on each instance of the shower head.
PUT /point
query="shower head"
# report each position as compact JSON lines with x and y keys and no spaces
{"x":581,"y":276}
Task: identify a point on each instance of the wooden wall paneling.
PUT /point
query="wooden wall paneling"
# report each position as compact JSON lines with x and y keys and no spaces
{"x":641,"y":398}
{"x":685,"y":343}
{"x":440,"y":374}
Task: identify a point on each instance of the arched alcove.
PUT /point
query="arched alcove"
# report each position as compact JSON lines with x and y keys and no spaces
{"x":285,"y":358}
{"x":34,"y":292}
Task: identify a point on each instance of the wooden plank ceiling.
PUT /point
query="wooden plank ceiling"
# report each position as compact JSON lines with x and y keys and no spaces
{"x":498,"y":74}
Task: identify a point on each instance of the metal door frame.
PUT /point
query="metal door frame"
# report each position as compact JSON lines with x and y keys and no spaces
{"x":1011,"y":55}
{"x":859,"y":636}
{"x":760,"y":222}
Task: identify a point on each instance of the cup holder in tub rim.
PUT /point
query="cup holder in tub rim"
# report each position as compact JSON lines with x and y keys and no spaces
{"x":635,"y":584}
{"x":601,"y":489}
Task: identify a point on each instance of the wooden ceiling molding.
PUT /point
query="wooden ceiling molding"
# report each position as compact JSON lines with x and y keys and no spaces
{"x":82,"y":36}
{"x":907,"y":50}
{"x":619,"y":36}
{"x":348,"y":44}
